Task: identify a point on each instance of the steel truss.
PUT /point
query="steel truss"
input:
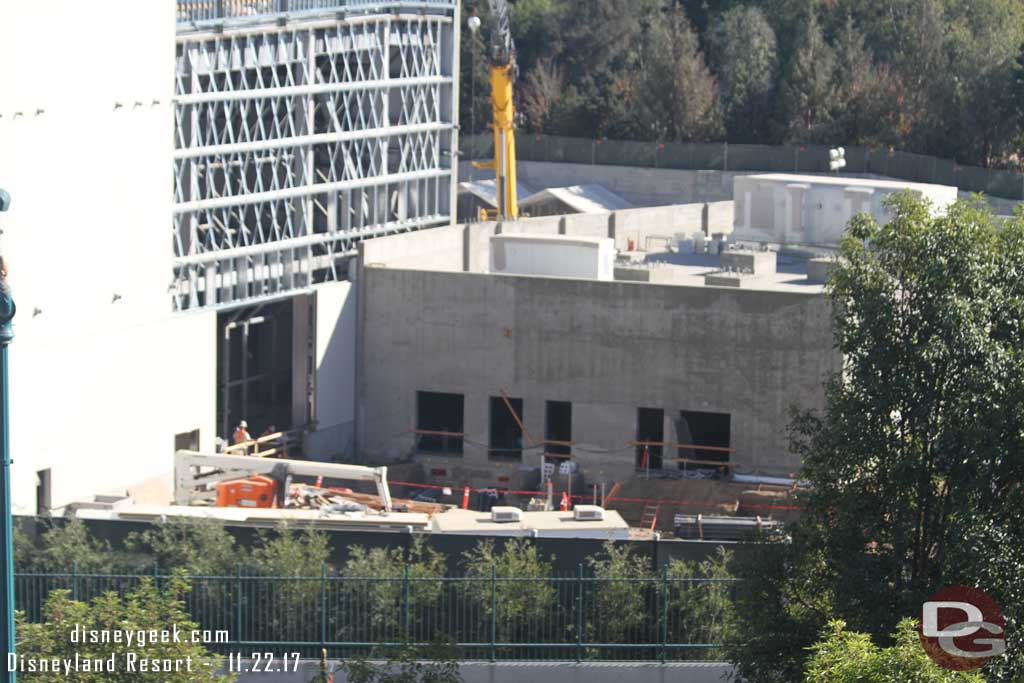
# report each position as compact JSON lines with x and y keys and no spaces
{"x":294,"y":140}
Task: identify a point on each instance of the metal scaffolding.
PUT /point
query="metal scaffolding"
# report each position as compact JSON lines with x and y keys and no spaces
{"x":299,"y":133}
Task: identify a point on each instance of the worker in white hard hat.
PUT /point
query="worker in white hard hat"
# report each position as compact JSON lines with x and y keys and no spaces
{"x":242,"y":433}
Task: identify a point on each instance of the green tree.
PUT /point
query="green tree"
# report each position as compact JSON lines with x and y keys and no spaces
{"x":200,"y":546}
{"x":523,"y":596}
{"x":143,"y":609}
{"x":619,"y":601}
{"x":70,"y":545}
{"x":436,"y":664}
{"x":845,"y":657}
{"x":807,"y":92}
{"x":679,"y":100}
{"x":701,"y":602}
{"x":375,"y":578}
{"x":742,"y":51}
{"x":914,"y":464}
{"x":866,"y":109}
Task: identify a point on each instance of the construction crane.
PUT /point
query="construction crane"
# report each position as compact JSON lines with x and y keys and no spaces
{"x":503,"y":72}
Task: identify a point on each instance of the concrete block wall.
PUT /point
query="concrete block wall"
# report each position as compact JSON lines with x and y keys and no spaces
{"x":608,"y":347}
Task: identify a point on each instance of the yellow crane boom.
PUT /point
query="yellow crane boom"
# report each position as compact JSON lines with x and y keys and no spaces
{"x":503,"y":70}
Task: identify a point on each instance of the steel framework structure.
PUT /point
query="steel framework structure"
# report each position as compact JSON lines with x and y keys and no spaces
{"x":299,"y":133}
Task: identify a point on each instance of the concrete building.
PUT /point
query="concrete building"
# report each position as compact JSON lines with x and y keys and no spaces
{"x":477,"y":374}
{"x":152,"y":319}
{"x":814,"y":210}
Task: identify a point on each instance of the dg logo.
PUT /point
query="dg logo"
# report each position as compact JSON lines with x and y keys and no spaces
{"x":962,"y":628}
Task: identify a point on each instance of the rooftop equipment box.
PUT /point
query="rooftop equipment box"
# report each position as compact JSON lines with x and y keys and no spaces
{"x":591,"y":258}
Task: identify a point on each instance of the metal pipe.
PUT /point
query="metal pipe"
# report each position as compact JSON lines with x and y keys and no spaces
{"x":7,"y":311}
{"x":304,"y":190}
{"x":309,"y":89}
{"x":311,"y":139}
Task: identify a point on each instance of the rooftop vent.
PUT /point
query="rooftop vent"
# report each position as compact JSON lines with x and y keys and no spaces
{"x":503,"y":514}
{"x":588,"y":513}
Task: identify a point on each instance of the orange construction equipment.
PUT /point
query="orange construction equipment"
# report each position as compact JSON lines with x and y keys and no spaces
{"x":253,"y":492}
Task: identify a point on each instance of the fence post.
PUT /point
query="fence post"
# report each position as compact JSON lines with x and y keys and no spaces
{"x":407,"y":603}
{"x":323,"y":604}
{"x":579,"y":613}
{"x":494,"y":610}
{"x":664,"y":611}
{"x":74,"y":581}
{"x":238,"y":602}
{"x":725,"y":156}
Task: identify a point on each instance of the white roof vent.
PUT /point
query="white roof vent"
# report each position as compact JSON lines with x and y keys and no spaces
{"x":588,"y":513}
{"x":501,"y":513}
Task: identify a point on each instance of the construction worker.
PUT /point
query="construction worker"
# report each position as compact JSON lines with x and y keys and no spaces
{"x":242,"y":433}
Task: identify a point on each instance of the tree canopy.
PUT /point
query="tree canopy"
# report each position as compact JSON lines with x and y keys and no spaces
{"x":939,"y":77}
{"x":914,"y":465}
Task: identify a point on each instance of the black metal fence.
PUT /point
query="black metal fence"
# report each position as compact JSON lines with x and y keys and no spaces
{"x":918,"y":168}
{"x":563,"y":617}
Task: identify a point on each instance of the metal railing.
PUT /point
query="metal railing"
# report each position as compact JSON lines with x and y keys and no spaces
{"x":723,"y":156}
{"x":200,"y":12}
{"x":567,"y":617}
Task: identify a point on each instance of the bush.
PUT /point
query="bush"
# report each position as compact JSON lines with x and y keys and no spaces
{"x":144,"y":609}
{"x":843,"y":656}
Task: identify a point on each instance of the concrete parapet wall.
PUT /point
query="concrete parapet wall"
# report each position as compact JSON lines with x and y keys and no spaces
{"x":647,"y":224}
{"x":718,"y":217}
{"x":431,"y":249}
{"x":541,"y":225}
{"x":587,"y":224}
{"x":538,"y":672}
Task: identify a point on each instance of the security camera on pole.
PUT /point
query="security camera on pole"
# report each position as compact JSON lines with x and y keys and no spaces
{"x":836,"y":158}
{"x":6,"y":527}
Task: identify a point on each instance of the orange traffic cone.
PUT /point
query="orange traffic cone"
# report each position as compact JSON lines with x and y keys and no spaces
{"x":465,"y":498}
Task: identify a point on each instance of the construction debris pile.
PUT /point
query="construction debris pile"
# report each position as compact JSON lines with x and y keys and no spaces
{"x":345,"y":500}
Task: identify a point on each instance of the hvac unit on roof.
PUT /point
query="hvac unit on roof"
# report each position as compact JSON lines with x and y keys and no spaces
{"x":588,"y":513}
{"x":504,"y":513}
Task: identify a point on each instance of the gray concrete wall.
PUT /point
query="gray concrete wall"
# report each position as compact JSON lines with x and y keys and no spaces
{"x":608,"y":347}
{"x":541,"y":672}
{"x":651,"y":228}
{"x":432,"y":249}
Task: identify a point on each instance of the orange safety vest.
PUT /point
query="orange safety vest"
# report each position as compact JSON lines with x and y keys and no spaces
{"x":241,"y":435}
{"x":564,"y":507}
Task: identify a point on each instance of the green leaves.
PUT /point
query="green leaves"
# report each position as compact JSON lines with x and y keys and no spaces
{"x":915,"y":463}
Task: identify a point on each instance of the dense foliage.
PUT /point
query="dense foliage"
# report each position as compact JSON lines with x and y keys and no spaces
{"x":914,"y":466}
{"x":144,"y":609}
{"x":940,"y":77}
{"x":845,"y":657}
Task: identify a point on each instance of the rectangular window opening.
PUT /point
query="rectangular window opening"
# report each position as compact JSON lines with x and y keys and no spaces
{"x":506,"y":437}
{"x":650,"y":427}
{"x":703,"y":429}
{"x":439,"y":422}
{"x":558,"y":427}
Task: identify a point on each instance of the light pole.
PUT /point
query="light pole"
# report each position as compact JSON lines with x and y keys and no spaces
{"x":6,"y":526}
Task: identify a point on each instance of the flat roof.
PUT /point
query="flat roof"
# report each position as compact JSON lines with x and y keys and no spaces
{"x":845,"y":181}
{"x":688,"y":270}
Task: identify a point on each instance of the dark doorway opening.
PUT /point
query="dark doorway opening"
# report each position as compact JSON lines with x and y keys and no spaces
{"x":650,"y":426}
{"x":558,"y":427}
{"x":704,"y":429}
{"x":506,"y":437}
{"x":187,"y":441}
{"x":441,"y":414}
{"x":44,"y":500}
{"x":254,"y":358}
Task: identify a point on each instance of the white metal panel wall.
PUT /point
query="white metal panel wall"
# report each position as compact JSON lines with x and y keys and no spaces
{"x":103,"y":373}
{"x":297,"y":135}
